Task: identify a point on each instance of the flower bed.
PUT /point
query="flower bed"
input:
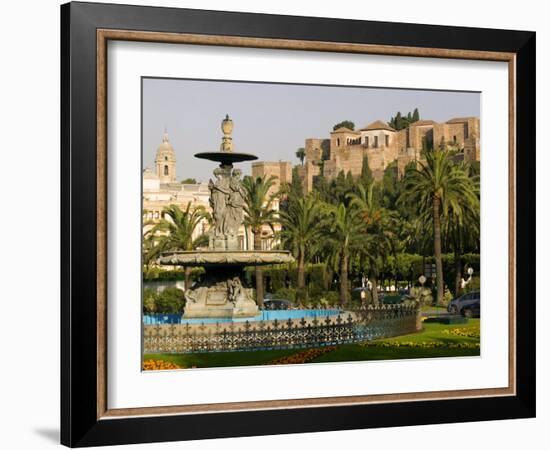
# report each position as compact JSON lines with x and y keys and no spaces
{"x":463,"y":332}
{"x":423,"y":344}
{"x":159,"y":364}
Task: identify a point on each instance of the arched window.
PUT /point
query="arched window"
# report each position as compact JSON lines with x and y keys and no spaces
{"x":165,"y":170}
{"x":166,"y":158}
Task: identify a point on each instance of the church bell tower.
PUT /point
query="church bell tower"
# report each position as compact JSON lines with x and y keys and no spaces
{"x":165,"y":161}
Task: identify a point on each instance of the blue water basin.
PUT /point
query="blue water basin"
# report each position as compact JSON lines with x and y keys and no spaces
{"x":280,"y":315}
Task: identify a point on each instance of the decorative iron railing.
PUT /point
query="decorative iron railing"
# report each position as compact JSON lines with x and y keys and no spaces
{"x":353,"y":326}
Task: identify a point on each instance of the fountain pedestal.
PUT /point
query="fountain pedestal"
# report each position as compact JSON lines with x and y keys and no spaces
{"x":221,"y":292}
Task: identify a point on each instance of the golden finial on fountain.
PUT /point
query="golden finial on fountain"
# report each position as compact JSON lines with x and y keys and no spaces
{"x":227,"y":140}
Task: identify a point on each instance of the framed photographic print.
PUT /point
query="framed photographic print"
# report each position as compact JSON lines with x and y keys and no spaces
{"x":276,"y":224}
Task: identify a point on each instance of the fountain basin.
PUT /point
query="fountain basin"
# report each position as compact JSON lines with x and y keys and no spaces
{"x":226,"y":158}
{"x":263,"y":315}
{"x":226,"y":258}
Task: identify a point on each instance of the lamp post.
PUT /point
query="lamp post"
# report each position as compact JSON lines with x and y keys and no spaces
{"x":422,"y":280}
{"x":464,"y":283}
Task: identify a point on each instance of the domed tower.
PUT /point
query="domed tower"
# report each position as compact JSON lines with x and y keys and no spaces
{"x":165,"y":161}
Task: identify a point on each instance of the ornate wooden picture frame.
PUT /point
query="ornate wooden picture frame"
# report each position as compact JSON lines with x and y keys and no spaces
{"x":86,"y":418}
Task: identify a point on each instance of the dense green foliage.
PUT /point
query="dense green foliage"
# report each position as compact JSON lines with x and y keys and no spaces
{"x":173,"y":232}
{"x":345,"y":123}
{"x":168,"y":301}
{"x":301,"y":154}
{"x":259,"y":212}
{"x":388,"y":230}
{"x":399,"y":122}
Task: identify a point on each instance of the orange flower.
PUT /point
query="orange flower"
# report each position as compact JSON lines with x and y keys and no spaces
{"x":159,"y":364}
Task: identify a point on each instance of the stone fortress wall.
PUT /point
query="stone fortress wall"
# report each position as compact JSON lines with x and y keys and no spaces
{"x":345,"y":149}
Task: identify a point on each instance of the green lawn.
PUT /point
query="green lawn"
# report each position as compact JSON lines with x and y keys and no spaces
{"x":417,"y":345}
{"x":222,"y":359}
{"x":433,"y":308}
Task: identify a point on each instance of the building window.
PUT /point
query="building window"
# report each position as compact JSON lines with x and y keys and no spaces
{"x":387,"y":141}
{"x":366,"y":141}
{"x":338,"y":142}
{"x":165,"y":170}
{"x":166,"y":158}
{"x":454,"y":139}
{"x":375,"y":141}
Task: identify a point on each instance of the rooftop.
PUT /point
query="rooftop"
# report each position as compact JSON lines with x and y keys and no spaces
{"x":420,"y":123}
{"x":377,"y":125}
{"x":459,"y":119}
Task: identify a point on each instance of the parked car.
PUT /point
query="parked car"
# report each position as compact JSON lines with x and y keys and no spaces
{"x":456,"y":305}
{"x":472,"y":310}
{"x":273,"y":304}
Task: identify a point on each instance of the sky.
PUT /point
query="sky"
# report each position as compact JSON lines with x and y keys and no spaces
{"x":272,"y":120}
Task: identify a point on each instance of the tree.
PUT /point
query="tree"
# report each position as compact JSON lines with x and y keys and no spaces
{"x":301,"y":231}
{"x":149,"y":301}
{"x":340,"y":187}
{"x":345,"y":123}
{"x":176,"y":229}
{"x":296,"y":189}
{"x":398,"y":121}
{"x":390,"y":186}
{"x":345,"y":233}
{"x":436,"y":187}
{"x":301,"y":154}
{"x":366,"y":174}
{"x":189,"y":181}
{"x":170,"y":301}
{"x":292,"y":190}
{"x":150,"y":249}
{"x":377,"y":223}
{"x":461,"y":225}
{"x":259,"y":212}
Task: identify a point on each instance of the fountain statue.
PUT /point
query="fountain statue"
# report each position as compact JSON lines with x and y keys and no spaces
{"x":221,"y":292}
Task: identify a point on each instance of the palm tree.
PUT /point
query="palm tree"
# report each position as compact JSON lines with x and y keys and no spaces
{"x":259,"y":212}
{"x":436,"y":187}
{"x":379,"y":224}
{"x":345,"y":233}
{"x":175,"y":231}
{"x":461,"y":226}
{"x":150,"y":249}
{"x":301,"y":231}
{"x":301,"y":154}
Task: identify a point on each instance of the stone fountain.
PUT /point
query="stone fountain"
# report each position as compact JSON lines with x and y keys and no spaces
{"x":222,"y":292}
